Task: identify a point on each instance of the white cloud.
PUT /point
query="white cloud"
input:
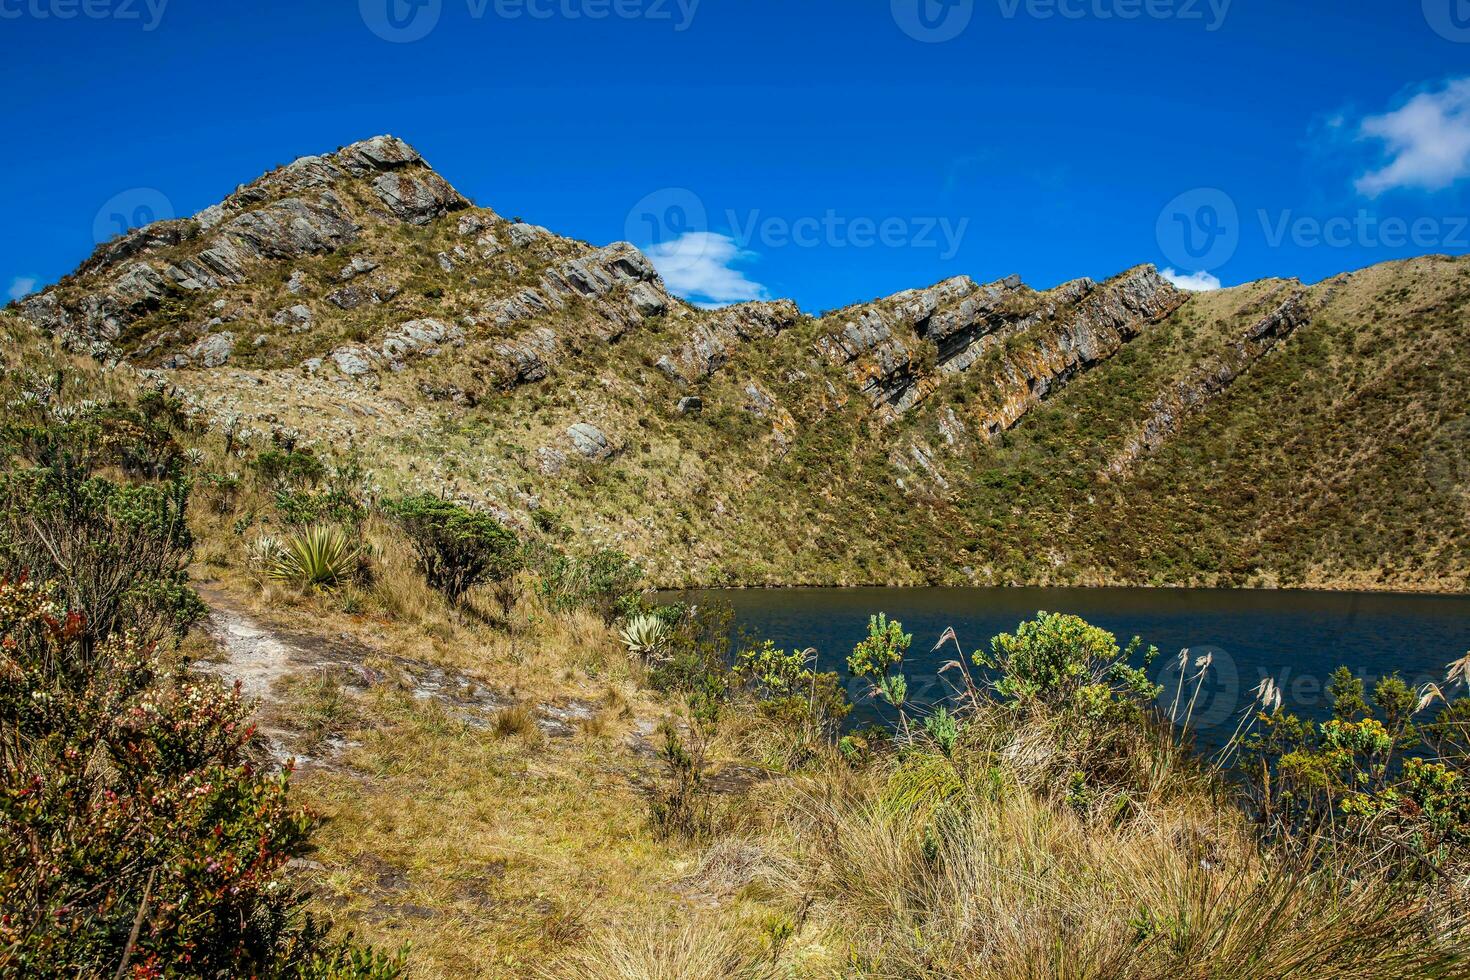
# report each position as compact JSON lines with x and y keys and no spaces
{"x":698,"y":266}
{"x":1426,"y":141}
{"x":22,"y":286}
{"x":1198,"y":282}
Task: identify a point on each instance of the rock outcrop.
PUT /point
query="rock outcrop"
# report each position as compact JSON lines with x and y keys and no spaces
{"x":897,"y":350}
{"x":713,"y":338}
{"x":292,"y":212}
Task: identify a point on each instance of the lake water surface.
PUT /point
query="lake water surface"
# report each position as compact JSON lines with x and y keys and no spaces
{"x":1298,"y":638}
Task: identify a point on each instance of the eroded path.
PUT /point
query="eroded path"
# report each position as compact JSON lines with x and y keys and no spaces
{"x":261,"y":658}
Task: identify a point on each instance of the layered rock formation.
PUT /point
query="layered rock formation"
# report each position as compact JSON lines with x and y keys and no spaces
{"x":898,"y":349}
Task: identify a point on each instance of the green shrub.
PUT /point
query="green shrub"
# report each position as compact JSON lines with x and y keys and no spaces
{"x":1063,"y":663}
{"x":294,"y":468}
{"x":127,"y":801}
{"x":119,"y":552}
{"x":458,"y":548}
{"x":605,"y":581}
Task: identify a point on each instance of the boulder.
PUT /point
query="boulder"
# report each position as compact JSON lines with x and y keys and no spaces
{"x":299,"y":318}
{"x":522,"y":234}
{"x":378,"y":153}
{"x":352,"y":361}
{"x":418,"y":199}
{"x":359,"y":266}
{"x":215,"y":350}
{"x":590,"y":441}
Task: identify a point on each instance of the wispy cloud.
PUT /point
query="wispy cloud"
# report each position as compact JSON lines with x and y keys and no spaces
{"x":699,"y":266}
{"x":21,"y":286}
{"x":1195,"y":282}
{"x":1426,"y":141}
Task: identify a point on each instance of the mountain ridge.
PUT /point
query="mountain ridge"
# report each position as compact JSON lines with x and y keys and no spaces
{"x":356,"y":300}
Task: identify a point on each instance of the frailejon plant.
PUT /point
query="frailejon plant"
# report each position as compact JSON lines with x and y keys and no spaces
{"x":645,"y":636}
{"x":321,"y":556}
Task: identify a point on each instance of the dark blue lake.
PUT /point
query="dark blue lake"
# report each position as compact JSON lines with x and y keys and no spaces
{"x":1297,"y":638}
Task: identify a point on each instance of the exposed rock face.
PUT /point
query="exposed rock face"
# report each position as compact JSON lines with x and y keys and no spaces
{"x":590,"y":441}
{"x":711,"y":340}
{"x":896,"y":350}
{"x":418,"y":338}
{"x":415,"y":339}
{"x":288,"y":213}
{"x":618,"y":282}
{"x":1190,"y":395}
{"x":418,"y":199}
{"x":529,"y":355}
{"x":291,"y":228}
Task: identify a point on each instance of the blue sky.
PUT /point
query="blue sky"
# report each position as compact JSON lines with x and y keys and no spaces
{"x":826,"y":150}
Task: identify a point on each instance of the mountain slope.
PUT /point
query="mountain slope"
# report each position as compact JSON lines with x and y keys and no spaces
{"x":1114,"y":432}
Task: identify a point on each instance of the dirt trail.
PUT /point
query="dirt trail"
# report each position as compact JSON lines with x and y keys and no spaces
{"x":259,"y":656}
{"x":255,"y":657}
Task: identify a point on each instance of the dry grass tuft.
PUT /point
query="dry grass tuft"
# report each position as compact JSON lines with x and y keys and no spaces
{"x":516,"y":721}
{"x":694,"y":950}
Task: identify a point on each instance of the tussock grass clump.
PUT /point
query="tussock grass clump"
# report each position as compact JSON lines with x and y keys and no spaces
{"x":516,"y":721}
{"x":931,"y":868}
{"x":695,"y":950}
